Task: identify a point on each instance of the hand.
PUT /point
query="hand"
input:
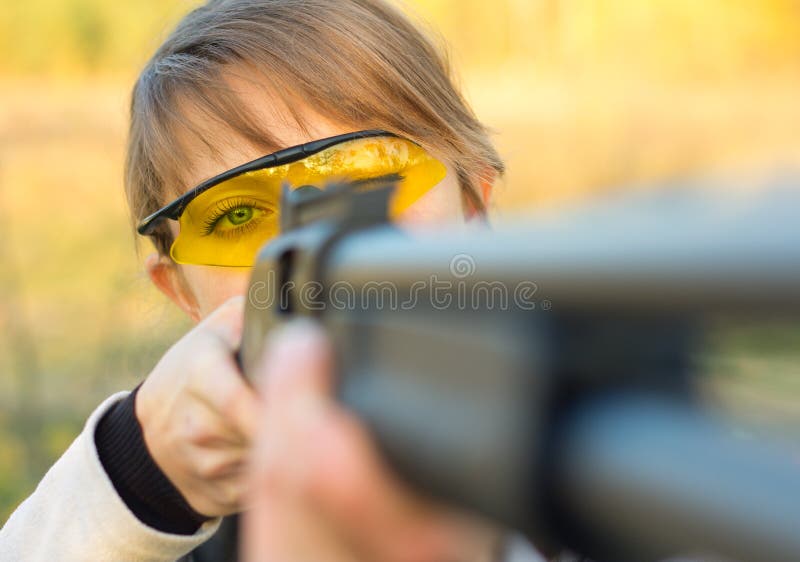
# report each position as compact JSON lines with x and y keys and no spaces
{"x":198,"y":414}
{"x":319,"y":492}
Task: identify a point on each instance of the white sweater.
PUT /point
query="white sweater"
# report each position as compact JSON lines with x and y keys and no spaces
{"x":76,"y":515}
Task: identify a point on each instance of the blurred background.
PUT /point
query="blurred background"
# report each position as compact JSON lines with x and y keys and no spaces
{"x":587,"y":99}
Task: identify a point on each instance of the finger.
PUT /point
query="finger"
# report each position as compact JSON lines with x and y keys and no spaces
{"x":217,"y":380}
{"x":234,"y":403}
{"x":219,"y":464}
{"x":200,"y":426}
{"x":341,"y":466}
{"x":227,"y":321}
{"x":279,"y":528}
{"x":279,"y":523}
{"x":355,"y":488}
{"x":297,"y":365}
{"x":294,"y":378}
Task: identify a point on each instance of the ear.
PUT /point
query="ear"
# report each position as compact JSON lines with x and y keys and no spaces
{"x":166,"y":275}
{"x":485,"y":189}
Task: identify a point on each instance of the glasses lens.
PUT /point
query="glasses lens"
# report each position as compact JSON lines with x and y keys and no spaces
{"x":227,"y":224}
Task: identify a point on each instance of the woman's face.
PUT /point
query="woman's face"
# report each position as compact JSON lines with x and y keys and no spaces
{"x":199,"y":289}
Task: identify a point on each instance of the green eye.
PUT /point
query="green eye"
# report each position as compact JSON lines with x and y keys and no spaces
{"x":235,"y":217}
{"x":239,"y":215}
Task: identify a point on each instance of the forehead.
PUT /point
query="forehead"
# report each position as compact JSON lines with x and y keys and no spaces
{"x":215,"y":146}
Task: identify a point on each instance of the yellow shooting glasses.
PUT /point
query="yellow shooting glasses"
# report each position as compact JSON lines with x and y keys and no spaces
{"x":225,"y":220}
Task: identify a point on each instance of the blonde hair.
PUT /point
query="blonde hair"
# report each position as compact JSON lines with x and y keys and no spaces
{"x":358,"y":62}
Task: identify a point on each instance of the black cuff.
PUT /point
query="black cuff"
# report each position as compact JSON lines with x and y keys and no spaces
{"x":146,"y":491}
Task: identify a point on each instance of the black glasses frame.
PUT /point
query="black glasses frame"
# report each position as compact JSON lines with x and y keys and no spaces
{"x":174,"y":209}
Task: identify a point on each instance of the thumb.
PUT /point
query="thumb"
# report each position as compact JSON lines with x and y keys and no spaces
{"x":297,"y":365}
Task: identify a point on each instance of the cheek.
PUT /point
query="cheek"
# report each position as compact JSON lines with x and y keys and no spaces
{"x":212,"y":286}
{"x":442,"y":204}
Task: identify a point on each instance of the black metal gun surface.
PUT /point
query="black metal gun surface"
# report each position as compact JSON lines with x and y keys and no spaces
{"x":540,"y":372}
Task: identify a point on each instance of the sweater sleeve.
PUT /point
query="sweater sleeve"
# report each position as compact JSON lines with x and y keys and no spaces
{"x":136,"y":477}
{"x":75,"y":514}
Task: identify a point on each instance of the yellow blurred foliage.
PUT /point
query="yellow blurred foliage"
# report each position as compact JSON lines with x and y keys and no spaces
{"x":584,"y":96}
{"x":663,"y":38}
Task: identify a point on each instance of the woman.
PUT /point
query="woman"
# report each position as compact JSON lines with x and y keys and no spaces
{"x":155,"y":469}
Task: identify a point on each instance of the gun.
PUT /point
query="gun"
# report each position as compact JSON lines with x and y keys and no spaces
{"x":541,"y":372}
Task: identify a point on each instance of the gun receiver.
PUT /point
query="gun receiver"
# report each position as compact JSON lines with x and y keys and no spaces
{"x":541,"y":373}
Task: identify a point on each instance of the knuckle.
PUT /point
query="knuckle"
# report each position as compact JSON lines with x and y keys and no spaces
{"x":229,"y":402}
{"x":220,"y":466}
{"x":232,"y":468}
{"x":190,"y":362}
{"x":198,"y":432}
{"x":208,"y":469}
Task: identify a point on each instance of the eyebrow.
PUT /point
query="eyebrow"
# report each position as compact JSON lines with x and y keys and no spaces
{"x":288,"y":155}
